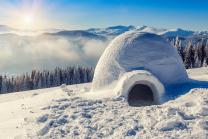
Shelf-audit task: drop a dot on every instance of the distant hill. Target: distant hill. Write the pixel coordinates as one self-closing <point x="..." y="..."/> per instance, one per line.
<point x="111" y="31"/>
<point x="78" y="34"/>
<point x="103" y="33"/>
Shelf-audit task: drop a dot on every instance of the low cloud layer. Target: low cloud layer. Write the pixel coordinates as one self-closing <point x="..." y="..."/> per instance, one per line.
<point x="23" y="54"/>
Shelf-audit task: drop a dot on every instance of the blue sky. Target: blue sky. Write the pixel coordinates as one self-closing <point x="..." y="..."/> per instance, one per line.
<point x="77" y="14"/>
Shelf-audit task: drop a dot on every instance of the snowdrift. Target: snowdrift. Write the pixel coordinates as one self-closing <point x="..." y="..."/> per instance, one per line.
<point x="138" y="58"/>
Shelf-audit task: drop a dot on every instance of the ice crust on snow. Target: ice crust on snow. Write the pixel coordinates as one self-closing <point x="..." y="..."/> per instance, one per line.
<point x="137" y="50"/>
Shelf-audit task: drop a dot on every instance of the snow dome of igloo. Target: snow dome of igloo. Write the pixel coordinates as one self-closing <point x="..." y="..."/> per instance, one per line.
<point x="139" y="60"/>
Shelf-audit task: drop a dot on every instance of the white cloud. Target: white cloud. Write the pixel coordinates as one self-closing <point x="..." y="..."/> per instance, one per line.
<point x="22" y="54"/>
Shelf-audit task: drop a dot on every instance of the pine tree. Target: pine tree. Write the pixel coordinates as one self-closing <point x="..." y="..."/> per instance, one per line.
<point x="189" y="56"/>
<point x="206" y="53"/>
<point x="180" y="48"/>
<point x="1" y="79"/>
<point x="200" y="53"/>
<point x="42" y="79"/>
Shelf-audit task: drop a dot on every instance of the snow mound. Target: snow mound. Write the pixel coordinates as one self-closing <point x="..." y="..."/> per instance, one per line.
<point x="135" y="51"/>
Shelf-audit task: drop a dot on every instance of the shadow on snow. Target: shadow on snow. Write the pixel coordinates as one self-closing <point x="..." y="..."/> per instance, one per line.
<point x="174" y="91"/>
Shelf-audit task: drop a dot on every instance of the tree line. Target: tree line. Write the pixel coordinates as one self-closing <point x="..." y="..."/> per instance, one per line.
<point x="193" y="53"/>
<point x="45" y="79"/>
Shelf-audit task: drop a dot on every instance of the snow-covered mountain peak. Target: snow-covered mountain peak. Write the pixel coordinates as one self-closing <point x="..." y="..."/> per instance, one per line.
<point x="178" y="32"/>
<point x="117" y="30"/>
<point x="158" y="31"/>
<point x="167" y="32"/>
<point x="111" y="31"/>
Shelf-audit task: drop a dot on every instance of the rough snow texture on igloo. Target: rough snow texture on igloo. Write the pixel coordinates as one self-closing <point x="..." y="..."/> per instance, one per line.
<point x="136" y="50"/>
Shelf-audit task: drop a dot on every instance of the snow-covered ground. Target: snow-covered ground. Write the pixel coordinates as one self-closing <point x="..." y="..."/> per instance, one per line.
<point x="62" y="112"/>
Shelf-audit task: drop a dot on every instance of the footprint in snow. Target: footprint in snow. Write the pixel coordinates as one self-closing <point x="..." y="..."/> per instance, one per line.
<point x="203" y="124"/>
<point x="52" y="124"/>
<point x="203" y="111"/>
<point x="189" y="104"/>
<point x="42" y="118"/>
<point x="171" y="125"/>
<point x="131" y="132"/>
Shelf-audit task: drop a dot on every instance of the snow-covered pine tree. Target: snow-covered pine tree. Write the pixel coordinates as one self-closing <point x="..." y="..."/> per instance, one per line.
<point x="42" y="79"/>
<point x="1" y="79"/>
<point x="206" y="53"/>
<point x="189" y="56"/>
<point x="179" y="47"/>
<point x="200" y="53"/>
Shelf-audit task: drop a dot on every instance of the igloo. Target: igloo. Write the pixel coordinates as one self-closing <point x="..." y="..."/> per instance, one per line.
<point x="138" y="66"/>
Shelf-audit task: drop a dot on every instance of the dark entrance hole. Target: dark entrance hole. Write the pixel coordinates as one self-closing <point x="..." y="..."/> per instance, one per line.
<point x="140" y="95"/>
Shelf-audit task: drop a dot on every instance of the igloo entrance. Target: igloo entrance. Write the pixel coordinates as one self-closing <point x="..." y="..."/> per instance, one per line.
<point x="140" y="95"/>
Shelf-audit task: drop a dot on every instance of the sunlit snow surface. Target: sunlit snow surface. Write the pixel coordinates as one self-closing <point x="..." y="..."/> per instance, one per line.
<point x="62" y="112"/>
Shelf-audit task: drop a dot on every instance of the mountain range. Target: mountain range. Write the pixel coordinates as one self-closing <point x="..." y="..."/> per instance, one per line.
<point x="103" y="33"/>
